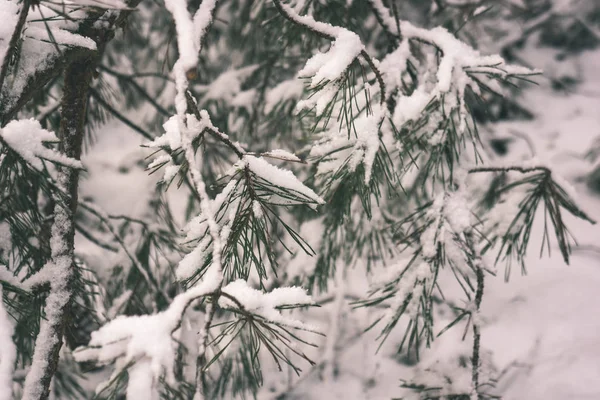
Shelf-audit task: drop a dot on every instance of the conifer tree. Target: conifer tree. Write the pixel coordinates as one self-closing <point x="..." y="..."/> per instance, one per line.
<point x="275" y="120"/>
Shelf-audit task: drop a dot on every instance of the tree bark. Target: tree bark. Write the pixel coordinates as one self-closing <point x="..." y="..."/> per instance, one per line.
<point x="78" y="76"/>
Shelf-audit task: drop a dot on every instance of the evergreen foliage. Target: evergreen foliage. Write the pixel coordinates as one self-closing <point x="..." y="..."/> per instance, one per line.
<point x="268" y="116"/>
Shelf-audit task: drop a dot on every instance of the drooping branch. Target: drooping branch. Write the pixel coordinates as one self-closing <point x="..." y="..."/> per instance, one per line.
<point x="476" y="356"/>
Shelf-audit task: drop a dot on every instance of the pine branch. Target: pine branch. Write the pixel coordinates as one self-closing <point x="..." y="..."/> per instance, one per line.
<point x="384" y="20"/>
<point x="327" y="31"/>
<point x="474" y="262"/>
<point x="191" y="104"/>
<point x="183" y="99"/>
<point x="523" y="170"/>
<point x="211" y="308"/>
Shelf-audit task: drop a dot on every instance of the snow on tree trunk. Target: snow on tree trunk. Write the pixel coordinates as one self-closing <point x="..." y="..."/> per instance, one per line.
<point x="61" y="268"/>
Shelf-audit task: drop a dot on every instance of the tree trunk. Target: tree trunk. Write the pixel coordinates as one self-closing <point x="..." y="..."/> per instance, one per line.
<point x="61" y="268"/>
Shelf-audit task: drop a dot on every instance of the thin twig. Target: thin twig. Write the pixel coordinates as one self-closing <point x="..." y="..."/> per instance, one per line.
<point x="523" y="170"/>
<point x="150" y="279"/>
<point x="216" y="134"/>
<point x="211" y="309"/>
<point x="12" y="45"/>
<point x="474" y="262"/>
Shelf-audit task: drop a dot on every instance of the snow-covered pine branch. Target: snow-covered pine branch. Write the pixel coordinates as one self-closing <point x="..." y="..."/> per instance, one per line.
<point x="27" y="138"/>
<point x="216" y="228"/>
<point x="307" y="137"/>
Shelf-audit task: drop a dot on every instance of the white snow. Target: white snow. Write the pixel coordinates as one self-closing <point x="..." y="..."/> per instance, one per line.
<point x="285" y="90"/>
<point x="280" y="177"/>
<point x="227" y="85"/>
<point x="146" y="339"/>
<point x="193" y="260"/>
<point x="60" y="37"/>
<point x="9" y="15"/>
<point x="266" y="304"/>
<point x="202" y="20"/>
<point x="26" y="137"/>
<point x="329" y="66"/>
<point x="187" y="40"/>
<point x="410" y="108"/>
<point x="393" y="66"/>
<point x="281" y="155"/>
<point x="339" y="148"/>
<point x="367" y="141"/>
<point x="537" y="306"/>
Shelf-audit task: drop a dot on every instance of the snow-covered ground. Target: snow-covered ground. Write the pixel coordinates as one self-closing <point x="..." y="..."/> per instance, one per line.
<point x="542" y="329"/>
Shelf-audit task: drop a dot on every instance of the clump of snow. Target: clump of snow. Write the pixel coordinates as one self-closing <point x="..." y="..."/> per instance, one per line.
<point x="329" y="66"/>
<point x="175" y="132"/>
<point x="228" y="85"/>
<point x="145" y="340"/>
<point x="279" y="177"/>
<point x="458" y="212"/>
<point x="266" y="304"/>
<point x="360" y="148"/>
<point x="394" y="65"/>
<point x="192" y="261"/>
<point x="26" y="137"/>
<point x="171" y="137"/>
<point x="409" y="108"/>
<point x="286" y="90"/>
<point x="60" y="37"/>
<point x="367" y="141"/>
<point x="411" y="282"/>
<point x="222" y="208"/>
<point x="9" y="15"/>
<point x="282" y="155"/>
